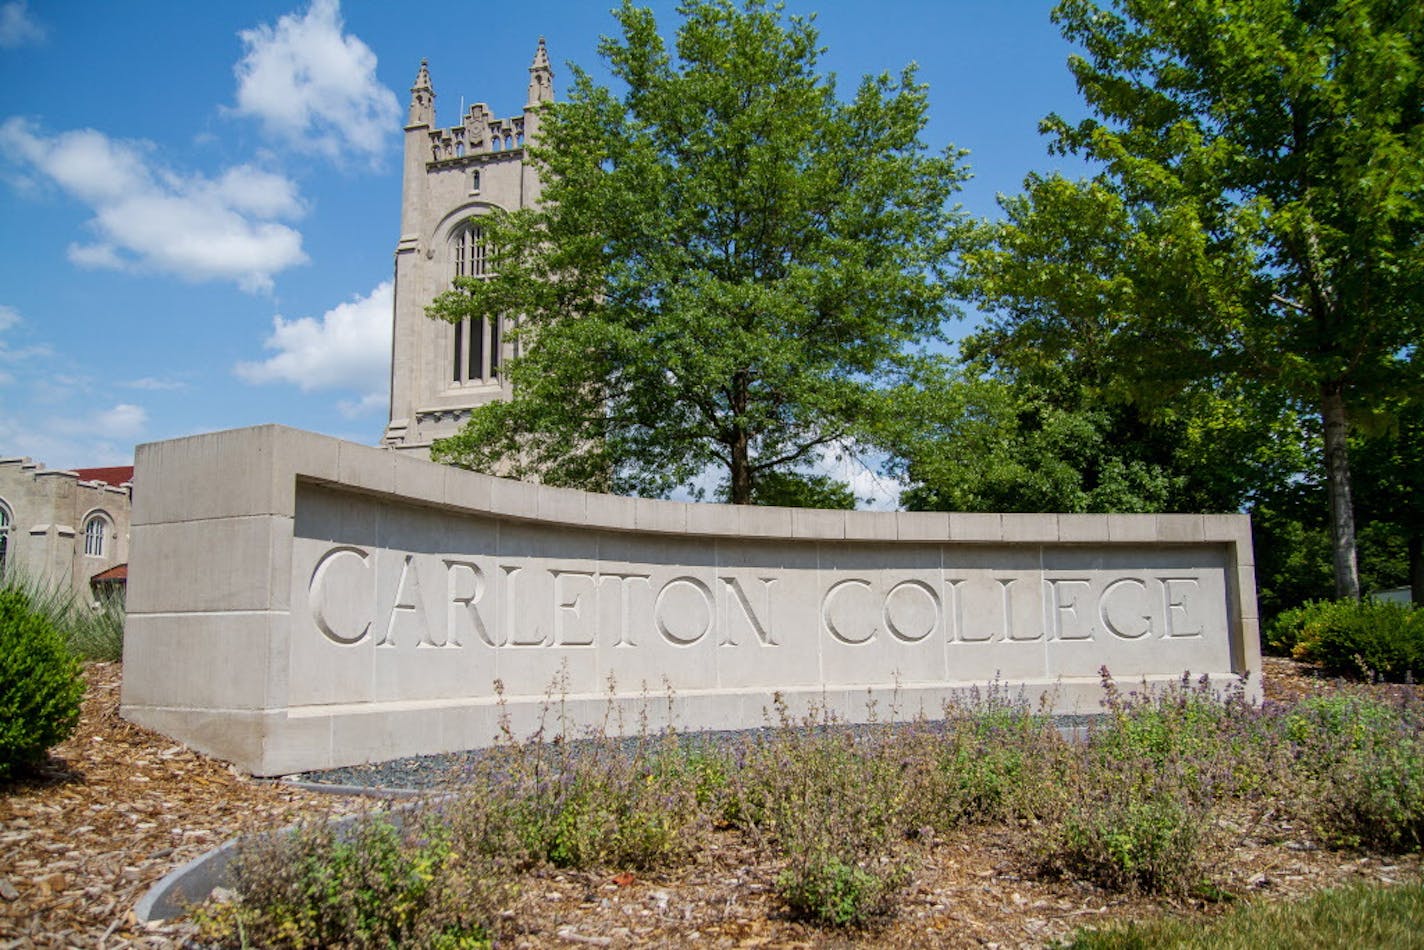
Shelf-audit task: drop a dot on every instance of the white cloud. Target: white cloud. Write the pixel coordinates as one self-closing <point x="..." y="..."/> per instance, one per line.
<point x="154" y="384"/>
<point x="9" y="319"/>
<point x="122" y="421"/>
<point x="314" y="87"/>
<point x="348" y="348"/>
<point x="872" y="490"/>
<point x="18" y="26"/>
<point x="148" y="217"/>
<point x="100" y="437"/>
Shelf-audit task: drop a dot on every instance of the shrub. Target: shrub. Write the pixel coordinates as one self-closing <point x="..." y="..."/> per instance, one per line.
<point x="827" y="890"/>
<point x="426" y="882"/>
<point x="598" y="803"/>
<point x="93" y="631"/>
<point x="995" y="761"/>
<point x="1147" y="840"/>
<point x="1351" y="638"/>
<point x="97" y="632"/>
<point x="1141" y="812"/>
<point x="1363" y="762"/>
<point x="40" y="684"/>
<point x="834" y="804"/>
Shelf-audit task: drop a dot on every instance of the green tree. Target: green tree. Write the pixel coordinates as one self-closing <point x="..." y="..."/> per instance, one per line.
<point x="1073" y="404"/>
<point x="1264" y="160"/>
<point x="728" y="268"/>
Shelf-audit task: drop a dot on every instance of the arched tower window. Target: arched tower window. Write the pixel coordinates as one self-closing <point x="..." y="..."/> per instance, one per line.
<point x="5" y="522"/>
<point x="475" y="356"/>
<point x="96" y="532"/>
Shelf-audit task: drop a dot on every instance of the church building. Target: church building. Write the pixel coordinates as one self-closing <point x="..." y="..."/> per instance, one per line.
<point x="452" y="176"/>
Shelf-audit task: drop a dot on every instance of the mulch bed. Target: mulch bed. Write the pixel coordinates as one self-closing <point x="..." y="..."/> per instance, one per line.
<point x="117" y="807"/>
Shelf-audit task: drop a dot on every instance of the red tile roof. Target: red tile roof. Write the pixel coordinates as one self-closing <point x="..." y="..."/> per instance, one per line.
<point x="115" y="475"/>
<point x="116" y="574"/>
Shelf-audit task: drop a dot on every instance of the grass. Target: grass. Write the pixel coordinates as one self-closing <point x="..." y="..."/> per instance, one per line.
<point x="1347" y="918"/>
<point x="93" y="629"/>
<point x="1151" y="803"/>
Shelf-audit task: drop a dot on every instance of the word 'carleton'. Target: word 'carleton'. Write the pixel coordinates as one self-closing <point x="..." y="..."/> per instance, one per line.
<point x="396" y="599"/>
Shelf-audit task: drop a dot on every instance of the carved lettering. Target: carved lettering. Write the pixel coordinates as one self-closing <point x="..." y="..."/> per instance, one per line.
<point x="1060" y="609"/>
<point x="569" y="607"/>
<point x="531" y="604"/>
<point x="761" y="627"/>
<point x="466" y="586"/>
<point x="344" y="621"/>
<point x="911" y="611"/>
<point x="407" y="608"/>
<point x="687" y="627"/>
<point x="1174" y="599"/>
<point x="1108" y="600"/>
<point x="843" y="630"/>
<point x="535" y="636"/>
<point x="624" y="623"/>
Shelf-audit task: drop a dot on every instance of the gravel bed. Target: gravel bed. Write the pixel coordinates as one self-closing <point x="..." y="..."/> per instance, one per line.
<point x="443" y="771"/>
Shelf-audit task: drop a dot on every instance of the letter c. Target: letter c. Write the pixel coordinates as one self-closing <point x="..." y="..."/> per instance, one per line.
<point x="333" y="560"/>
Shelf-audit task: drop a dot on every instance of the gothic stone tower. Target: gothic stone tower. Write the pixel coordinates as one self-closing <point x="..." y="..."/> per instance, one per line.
<point x="440" y="371"/>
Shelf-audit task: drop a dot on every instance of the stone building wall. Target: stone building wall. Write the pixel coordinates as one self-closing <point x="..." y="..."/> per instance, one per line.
<point x="60" y="528"/>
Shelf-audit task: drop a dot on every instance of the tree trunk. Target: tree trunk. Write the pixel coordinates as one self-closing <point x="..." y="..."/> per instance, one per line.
<point x="1337" y="474"/>
<point x="1416" y="566"/>
<point x="741" y="470"/>
<point x="741" y="442"/>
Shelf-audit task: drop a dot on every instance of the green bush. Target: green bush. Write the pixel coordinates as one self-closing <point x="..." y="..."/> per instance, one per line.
<point x="40" y="685"/>
<point x="1363" y="762"/>
<point x="1140" y="843"/>
<point x="433" y="881"/>
<point x="827" y="890"/>
<point x="1353" y="638"/>
<point x="93" y="631"/>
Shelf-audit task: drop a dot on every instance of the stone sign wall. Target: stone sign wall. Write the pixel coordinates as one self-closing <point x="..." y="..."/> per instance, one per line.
<point x="298" y="602"/>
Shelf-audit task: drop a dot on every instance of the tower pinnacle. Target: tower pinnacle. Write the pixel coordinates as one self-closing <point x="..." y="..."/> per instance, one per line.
<point x="541" y="77"/>
<point x="422" y="99"/>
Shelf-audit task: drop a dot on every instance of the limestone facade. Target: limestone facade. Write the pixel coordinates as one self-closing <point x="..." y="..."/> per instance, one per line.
<point x="451" y="177"/>
<point x="299" y="602"/>
<point x="62" y="528"/>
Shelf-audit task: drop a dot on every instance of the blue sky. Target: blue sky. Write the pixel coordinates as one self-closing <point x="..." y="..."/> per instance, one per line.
<point x="199" y="201"/>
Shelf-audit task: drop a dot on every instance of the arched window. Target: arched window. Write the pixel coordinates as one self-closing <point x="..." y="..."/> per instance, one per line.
<point x="96" y="532"/>
<point x="475" y="182"/>
<point x="475" y="356"/>
<point x="5" y="521"/>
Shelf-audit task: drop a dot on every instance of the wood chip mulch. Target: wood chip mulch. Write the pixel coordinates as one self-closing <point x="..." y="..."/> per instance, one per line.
<point x="117" y="807"/>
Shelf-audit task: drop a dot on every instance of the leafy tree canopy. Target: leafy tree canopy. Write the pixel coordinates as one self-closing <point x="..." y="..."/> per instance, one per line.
<point x="728" y="268"/>
<point x="1259" y="217"/>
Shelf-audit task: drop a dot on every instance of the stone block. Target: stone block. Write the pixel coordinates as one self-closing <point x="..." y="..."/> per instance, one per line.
<point x="1180" y="529"/>
<point x="1081" y="529"/>
<point x="922" y="526"/>
<point x="872" y="525"/>
<point x="514" y="499"/>
<point x="975" y="526"/>
<point x="1029" y="528"/>
<point x="468" y="491"/>
<point x="818" y="524"/>
<point x="562" y="505"/>
<point x="651" y="514"/>
<point x="366" y="468"/>
<point x="1132" y="528"/>
<point x="224" y="564"/>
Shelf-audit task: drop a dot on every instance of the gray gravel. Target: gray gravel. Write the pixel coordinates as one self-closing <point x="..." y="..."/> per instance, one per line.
<point x="434" y="772"/>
